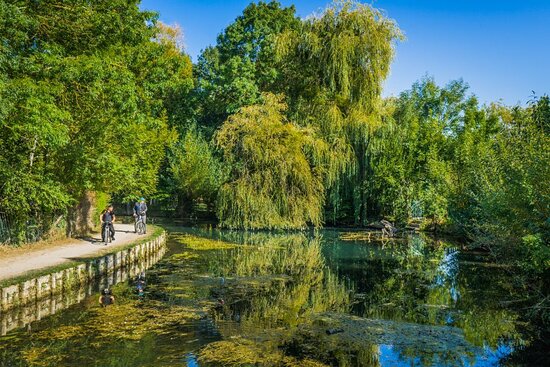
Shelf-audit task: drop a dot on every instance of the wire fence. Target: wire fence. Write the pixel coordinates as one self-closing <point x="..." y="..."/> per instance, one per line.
<point x="12" y="233"/>
<point x="5" y="232"/>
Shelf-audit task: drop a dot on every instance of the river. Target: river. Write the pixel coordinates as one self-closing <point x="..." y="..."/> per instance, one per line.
<point x="319" y="298"/>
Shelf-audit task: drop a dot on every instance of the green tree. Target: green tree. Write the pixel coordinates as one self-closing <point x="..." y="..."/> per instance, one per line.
<point x="235" y="71"/>
<point x="334" y="66"/>
<point x="273" y="180"/>
<point x="84" y="93"/>
<point x="501" y="199"/>
<point x="412" y="165"/>
<point x="197" y="173"/>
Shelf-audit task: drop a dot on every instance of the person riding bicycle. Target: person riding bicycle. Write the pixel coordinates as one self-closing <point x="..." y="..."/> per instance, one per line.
<point x="140" y="213"/>
<point x="107" y="218"/>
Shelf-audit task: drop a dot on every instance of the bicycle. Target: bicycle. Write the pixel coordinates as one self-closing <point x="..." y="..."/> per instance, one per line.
<point x="107" y="234"/>
<point x="140" y="226"/>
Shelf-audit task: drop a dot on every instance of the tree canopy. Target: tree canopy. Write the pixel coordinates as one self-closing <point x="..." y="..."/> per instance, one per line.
<point x="279" y="125"/>
<point x="273" y="182"/>
<point x="82" y="96"/>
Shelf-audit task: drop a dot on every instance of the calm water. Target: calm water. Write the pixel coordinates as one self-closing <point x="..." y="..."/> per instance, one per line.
<point x="327" y="298"/>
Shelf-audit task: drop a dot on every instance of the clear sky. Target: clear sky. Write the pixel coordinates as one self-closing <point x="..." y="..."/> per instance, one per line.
<point x="501" y="48"/>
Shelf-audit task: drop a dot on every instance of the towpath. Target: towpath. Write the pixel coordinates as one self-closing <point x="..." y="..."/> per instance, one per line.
<point x="17" y="263"/>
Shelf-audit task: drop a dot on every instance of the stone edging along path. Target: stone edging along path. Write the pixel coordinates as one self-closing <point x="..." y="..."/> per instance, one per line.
<point x="47" y="258"/>
<point x="32" y="299"/>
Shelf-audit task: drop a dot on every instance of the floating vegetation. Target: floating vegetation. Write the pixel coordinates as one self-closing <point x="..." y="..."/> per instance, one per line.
<point x="367" y="236"/>
<point x="202" y="243"/>
<point x="184" y="256"/>
<point x="128" y="320"/>
<point x="283" y="300"/>
<point x="240" y="352"/>
<point x="39" y="356"/>
<point x="370" y="236"/>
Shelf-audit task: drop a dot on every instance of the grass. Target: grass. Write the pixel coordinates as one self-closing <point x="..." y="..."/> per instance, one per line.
<point x="157" y="231"/>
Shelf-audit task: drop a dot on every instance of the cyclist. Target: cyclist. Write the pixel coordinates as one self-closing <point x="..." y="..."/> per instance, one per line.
<point x="107" y="218"/>
<point x="140" y="213"/>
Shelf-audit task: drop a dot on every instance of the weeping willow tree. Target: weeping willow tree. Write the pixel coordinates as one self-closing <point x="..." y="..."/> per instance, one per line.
<point x="274" y="181"/>
<point x="334" y="65"/>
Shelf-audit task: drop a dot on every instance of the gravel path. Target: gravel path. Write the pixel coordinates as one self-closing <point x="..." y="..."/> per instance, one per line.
<point x="79" y="248"/>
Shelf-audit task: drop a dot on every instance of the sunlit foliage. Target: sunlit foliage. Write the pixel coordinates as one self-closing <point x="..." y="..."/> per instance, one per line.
<point x="235" y="71"/>
<point x="334" y="67"/>
<point x="196" y="172"/>
<point x="82" y="93"/>
<point x="273" y="182"/>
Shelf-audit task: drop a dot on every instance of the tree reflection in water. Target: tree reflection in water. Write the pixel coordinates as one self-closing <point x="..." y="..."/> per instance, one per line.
<point x="299" y="299"/>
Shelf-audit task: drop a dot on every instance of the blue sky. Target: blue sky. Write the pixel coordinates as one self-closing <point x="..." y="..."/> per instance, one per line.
<point x="500" y="48"/>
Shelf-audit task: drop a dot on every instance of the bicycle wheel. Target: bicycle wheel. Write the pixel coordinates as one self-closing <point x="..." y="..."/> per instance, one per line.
<point x="141" y="227"/>
<point x="107" y="235"/>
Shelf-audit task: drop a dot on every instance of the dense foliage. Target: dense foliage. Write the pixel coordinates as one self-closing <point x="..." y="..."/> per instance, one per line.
<point x="235" y="72"/>
<point x="83" y="88"/>
<point x="274" y="182"/>
<point x="334" y="67"/>
<point x="478" y="171"/>
<point x="481" y="172"/>
<point x="280" y="124"/>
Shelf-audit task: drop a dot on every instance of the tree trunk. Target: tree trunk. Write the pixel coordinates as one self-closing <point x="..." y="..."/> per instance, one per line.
<point x="185" y="207"/>
<point x="80" y="217"/>
<point x="363" y="163"/>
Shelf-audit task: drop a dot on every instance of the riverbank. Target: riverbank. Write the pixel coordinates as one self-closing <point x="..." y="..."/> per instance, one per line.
<point x="23" y="263"/>
<point x="312" y="298"/>
<point x="47" y="291"/>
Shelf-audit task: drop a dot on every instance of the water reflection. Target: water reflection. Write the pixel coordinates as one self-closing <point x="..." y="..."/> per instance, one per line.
<point x="302" y="299"/>
<point x="25" y="315"/>
<point x="280" y="283"/>
<point x="428" y="284"/>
